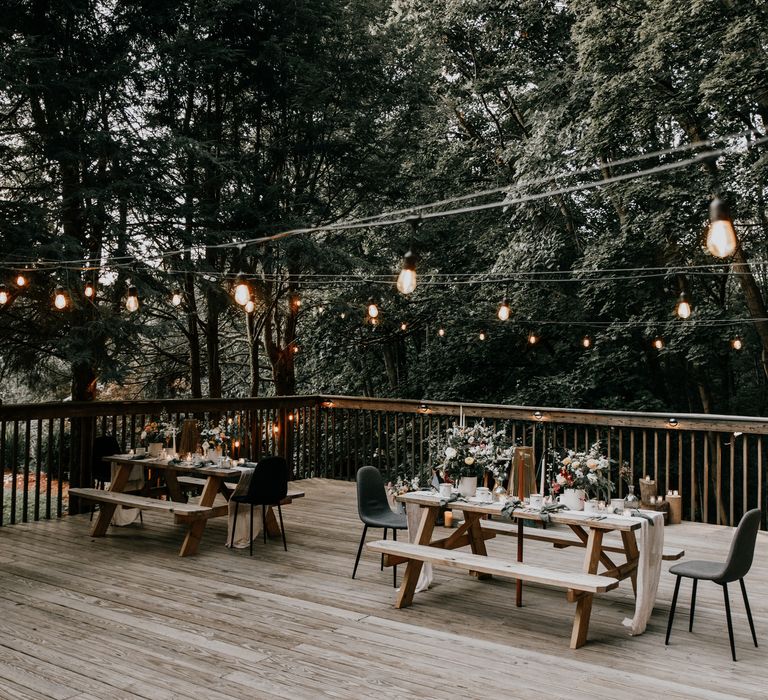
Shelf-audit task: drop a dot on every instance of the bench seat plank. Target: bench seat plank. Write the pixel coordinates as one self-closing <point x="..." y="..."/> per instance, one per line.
<point x="141" y="502"/>
<point x="590" y="583"/>
<point x="197" y="481"/>
<point x="566" y="539"/>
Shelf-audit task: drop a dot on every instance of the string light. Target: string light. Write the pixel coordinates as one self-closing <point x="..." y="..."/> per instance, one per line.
<point x="249" y="307"/>
<point x="343" y="315"/>
<point x="295" y="349"/>
<point x="586" y="342"/>
<point x="60" y="299"/>
<point x="176" y="298"/>
<point x="683" y="308"/>
<point x="403" y="326"/>
<point x="533" y="338"/>
<point x="441" y="332"/>
<point x="320" y="309"/>
<point x="21" y="281"/>
<point x="504" y="310"/>
<point x="406" y="280"/>
<point x="132" y="300"/>
<point x="737" y="343"/>
<point x="721" y="238"/>
<point x="242" y="290"/>
<point x="89" y="290"/>
<point x="3" y="295"/>
<point x="373" y="310"/>
<point x="658" y="342"/>
<point x="482" y="335"/>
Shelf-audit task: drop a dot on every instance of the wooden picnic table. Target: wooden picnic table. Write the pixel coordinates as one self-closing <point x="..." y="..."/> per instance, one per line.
<point x="580" y="586"/>
<point x="212" y="479"/>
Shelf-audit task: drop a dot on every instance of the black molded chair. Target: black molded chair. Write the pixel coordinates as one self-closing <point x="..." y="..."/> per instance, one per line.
<point x="269" y="486"/>
<point x="735" y="568"/>
<point x="373" y="508"/>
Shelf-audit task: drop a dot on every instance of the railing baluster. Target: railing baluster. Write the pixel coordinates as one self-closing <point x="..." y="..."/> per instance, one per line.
<point x="38" y="465"/>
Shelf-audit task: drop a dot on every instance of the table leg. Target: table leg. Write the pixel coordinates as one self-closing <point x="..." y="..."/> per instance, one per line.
<point x="196" y="527"/>
<point x="107" y="510"/>
<point x="413" y="568"/>
<point x="273" y="527"/>
<point x="633" y="554"/>
<point x="584" y="604"/>
<point x="174" y="490"/>
<point x="518" y="582"/>
<point x="476" y="540"/>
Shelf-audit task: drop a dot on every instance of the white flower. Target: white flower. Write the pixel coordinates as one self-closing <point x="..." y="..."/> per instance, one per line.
<point x="469" y="460"/>
<point x="578" y="472"/>
<point x="561" y="480"/>
<point x="471" y="439"/>
<point x="592" y="463"/>
<point x="450" y="452"/>
<point x="592" y="477"/>
<point x="575" y="464"/>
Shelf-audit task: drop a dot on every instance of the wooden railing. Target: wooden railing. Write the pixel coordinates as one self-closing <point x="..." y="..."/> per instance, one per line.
<point x="714" y="462"/>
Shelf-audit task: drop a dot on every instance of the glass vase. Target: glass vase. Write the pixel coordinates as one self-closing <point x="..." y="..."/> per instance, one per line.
<point x="631" y="501"/>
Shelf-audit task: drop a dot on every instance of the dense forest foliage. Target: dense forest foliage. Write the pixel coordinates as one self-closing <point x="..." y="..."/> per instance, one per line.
<point x="143" y="144"/>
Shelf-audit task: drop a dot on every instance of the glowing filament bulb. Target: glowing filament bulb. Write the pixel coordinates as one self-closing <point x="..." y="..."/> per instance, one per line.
<point x="403" y="326"/>
<point x="276" y="429"/>
<point x="533" y="338"/>
<point x="504" y="311"/>
<point x="721" y="238"/>
<point x="683" y="308"/>
<point x="737" y="343"/>
<point x="249" y="307"/>
<point x="373" y="310"/>
<point x="3" y="295"/>
<point x="132" y="300"/>
<point x="21" y="281"/>
<point x="176" y="298"/>
<point x="586" y="342"/>
<point x="60" y="299"/>
<point x="89" y="291"/>
<point x="343" y="315"/>
<point x="295" y="349"/>
<point x="658" y="343"/>
<point x="482" y="335"/>
<point x="242" y="290"/>
<point x="441" y="332"/>
<point x="406" y="280"/>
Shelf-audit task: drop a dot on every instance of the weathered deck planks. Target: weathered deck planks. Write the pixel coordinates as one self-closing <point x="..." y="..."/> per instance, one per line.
<point x="125" y="617"/>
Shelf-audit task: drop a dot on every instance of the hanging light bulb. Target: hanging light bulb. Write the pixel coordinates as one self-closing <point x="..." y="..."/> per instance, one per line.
<point x="242" y="290"/>
<point x="683" y="308"/>
<point x="343" y="315"/>
<point x="320" y="309"/>
<point x="60" y="299"/>
<point x="406" y="280"/>
<point x="586" y="342"/>
<point x="132" y="300"/>
<point x="3" y="295"/>
<point x="249" y="307"/>
<point x="403" y="326"/>
<point x="441" y="332"/>
<point x="721" y="238"/>
<point x="21" y="280"/>
<point x="737" y="343"/>
<point x="176" y="298"/>
<point x="504" y="311"/>
<point x="373" y="310"/>
<point x="295" y="349"/>
<point x="482" y="335"/>
<point x="89" y="291"/>
<point x="533" y="338"/>
<point x="658" y="342"/>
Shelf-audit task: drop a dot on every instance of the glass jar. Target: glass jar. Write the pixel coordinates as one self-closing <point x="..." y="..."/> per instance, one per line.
<point x="631" y="501"/>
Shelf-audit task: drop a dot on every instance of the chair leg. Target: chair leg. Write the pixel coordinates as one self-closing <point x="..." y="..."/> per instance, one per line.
<point x="282" y="529"/>
<point x="749" y="612"/>
<point x="394" y="568"/>
<point x="250" y="533"/>
<point x="693" y="605"/>
<point x="359" y="551"/>
<point x="381" y="568"/>
<point x="234" y="525"/>
<point x="672" y="609"/>
<point x="728" y="618"/>
<point x="264" y="522"/>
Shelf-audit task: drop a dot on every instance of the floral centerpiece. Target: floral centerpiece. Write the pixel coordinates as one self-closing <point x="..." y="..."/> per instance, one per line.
<point x="585" y="471"/>
<point x="216" y="436"/>
<point x="470" y="450"/>
<point x="157" y="431"/>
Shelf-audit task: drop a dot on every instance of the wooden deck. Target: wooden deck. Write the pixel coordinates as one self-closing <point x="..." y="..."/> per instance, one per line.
<point x="126" y="617"/>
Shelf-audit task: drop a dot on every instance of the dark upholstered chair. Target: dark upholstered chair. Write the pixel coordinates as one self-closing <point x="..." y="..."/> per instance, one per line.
<point x="269" y="486"/>
<point x="373" y="509"/>
<point x="735" y="568"/>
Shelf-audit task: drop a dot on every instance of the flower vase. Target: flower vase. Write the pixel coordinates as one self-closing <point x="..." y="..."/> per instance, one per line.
<point x="468" y="486"/>
<point x="631" y="501"/>
<point x="499" y="492"/>
<point x="573" y="499"/>
<point x="155" y="448"/>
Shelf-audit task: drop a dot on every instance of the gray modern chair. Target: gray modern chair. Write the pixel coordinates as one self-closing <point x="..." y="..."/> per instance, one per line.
<point x="735" y="568"/>
<point x="373" y="508"/>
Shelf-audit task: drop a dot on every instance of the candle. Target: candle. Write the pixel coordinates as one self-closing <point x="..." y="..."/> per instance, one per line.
<point x="675" y="493"/>
<point x="448" y="518"/>
<point x="173" y="429"/>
